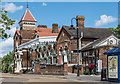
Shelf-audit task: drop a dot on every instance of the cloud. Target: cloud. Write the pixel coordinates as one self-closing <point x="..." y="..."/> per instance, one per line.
<point x="6" y="46"/>
<point x="104" y="20"/>
<point x="10" y="7"/>
<point x="13" y="29"/>
<point x="44" y="4"/>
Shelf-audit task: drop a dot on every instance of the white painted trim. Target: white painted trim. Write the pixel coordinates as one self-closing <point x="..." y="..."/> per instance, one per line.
<point x="25" y="68"/>
<point x="88" y="44"/>
<point x="37" y="40"/>
<point x="28" y="25"/>
<point x="25" y="14"/>
<point x="27" y="22"/>
<point x="24" y="50"/>
<point x="69" y="65"/>
<point x="112" y="36"/>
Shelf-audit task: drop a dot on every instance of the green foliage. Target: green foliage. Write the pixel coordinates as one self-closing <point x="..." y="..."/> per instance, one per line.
<point x="6" y="23"/>
<point x="6" y="61"/>
<point x="116" y="30"/>
<point x="10" y="68"/>
<point x="87" y="71"/>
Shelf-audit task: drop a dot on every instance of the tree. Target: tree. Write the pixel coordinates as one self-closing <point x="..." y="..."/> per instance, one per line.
<point x="6" y="61"/>
<point x="5" y="24"/>
<point x="116" y="30"/>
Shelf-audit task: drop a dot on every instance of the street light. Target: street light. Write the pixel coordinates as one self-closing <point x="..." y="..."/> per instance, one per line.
<point x="78" y="58"/>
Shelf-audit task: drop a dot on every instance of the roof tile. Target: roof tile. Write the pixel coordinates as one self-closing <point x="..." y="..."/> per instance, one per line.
<point x="27" y="16"/>
<point x="45" y="32"/>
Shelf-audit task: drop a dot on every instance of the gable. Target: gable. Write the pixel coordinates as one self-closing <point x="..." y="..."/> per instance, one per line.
<point x="27" y="16"/>
<point x="17" y="33"/>
<point x="111" y="40"/>
<point x="63" y="36"/>
<point x="61" y="32"/>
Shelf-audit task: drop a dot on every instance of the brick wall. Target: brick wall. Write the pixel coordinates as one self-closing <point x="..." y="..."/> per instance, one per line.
<point x="72" y="45"/>
<point x="50" y="69"/>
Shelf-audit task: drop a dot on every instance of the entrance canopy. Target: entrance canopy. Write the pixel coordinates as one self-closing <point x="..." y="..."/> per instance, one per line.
<point x="113" y="51"/>
<point x="37" y="41"/>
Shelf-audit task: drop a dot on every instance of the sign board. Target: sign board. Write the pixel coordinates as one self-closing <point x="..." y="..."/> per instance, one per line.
<point x="52" y="54"/>
<point x="75" y="51"/>
<point x="99" y="65"/>
<point x="65" y="59"/>
<point x="113" y="66"/>
<point x="42" y="66"/>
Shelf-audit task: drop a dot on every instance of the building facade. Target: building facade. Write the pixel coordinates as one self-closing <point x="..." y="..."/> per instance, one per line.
<point x="94" y="43"/>
<point x="35" y="47"/>
<point x="52" y="50"/>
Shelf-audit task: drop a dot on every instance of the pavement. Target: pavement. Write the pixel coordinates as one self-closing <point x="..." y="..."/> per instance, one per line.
<point x="7" y="78"/>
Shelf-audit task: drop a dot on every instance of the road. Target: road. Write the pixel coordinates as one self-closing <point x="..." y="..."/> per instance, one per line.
<point x="7" y="78"/>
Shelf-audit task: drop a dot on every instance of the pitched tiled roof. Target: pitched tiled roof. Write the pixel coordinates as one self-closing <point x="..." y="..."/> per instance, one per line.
<point x="95" y="33"/>
<point x="42" y="32"/>
<point x="27" y="16"/>
<point x="99" y="34"/>
<point x="45" y="32"/>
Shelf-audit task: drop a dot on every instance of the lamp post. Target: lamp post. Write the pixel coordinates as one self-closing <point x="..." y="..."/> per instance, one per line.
<point x="78" y="47"/>
<point x="77" y="53"/>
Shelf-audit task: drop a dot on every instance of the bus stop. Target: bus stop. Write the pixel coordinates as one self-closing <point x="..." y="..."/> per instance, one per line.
<point x="113" y="64"/>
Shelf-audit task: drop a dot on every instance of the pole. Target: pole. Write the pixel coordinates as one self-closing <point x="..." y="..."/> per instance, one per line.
<point x="85" y="62"/>
<point x="77" y="53"/>
<point x="95" y="60"/>
<point x="27" y="59"/>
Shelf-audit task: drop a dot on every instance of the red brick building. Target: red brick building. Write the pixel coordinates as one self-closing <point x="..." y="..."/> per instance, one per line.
<point x="35" y="47"/>
<point x="50" y="50"/>
<point x="94" y="43"/>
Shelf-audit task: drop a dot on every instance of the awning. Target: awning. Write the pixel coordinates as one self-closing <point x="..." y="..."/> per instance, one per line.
<point x="113" y="51"/>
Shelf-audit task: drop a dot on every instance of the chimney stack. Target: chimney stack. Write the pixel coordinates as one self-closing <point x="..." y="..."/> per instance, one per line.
<point x="54" y="28"/>
<point x="80" y="21"/>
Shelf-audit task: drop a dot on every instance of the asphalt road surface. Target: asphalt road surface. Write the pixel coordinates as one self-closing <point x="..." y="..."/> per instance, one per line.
<point x="6" y="78"/>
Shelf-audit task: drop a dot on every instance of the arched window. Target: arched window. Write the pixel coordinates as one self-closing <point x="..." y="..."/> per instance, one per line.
<point x="47" y="53"/>
<point x="38" y="55"/>
<point x="42" y="54"/>
<point x="44" y="48"/>
<point x="54" y="46"/>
